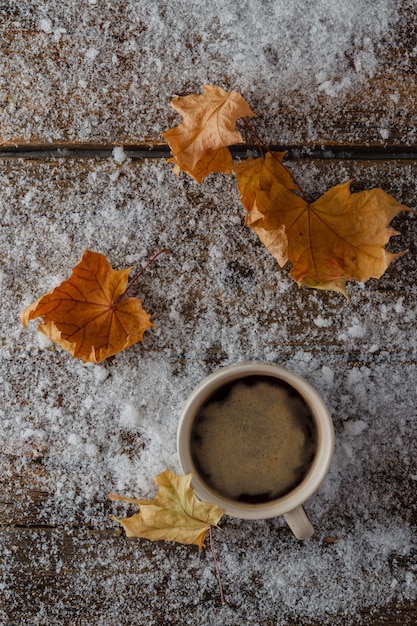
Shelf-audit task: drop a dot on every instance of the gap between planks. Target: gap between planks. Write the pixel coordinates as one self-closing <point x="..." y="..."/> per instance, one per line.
<point x="158" y="151"/>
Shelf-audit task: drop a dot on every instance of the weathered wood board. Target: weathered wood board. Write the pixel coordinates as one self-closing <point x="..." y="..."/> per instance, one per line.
<point x="68" y="437"/>
<point x="74" y="74"/>
<point x="336" y="84"/>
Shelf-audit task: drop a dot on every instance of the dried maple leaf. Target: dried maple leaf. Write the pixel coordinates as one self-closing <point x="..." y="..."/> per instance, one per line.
<point x="219" y="161"/>
<point x="339" y="237"/>
<point x="86" y="315"/>
<point x="256" y="180"/>
<point x="260" y="175"/>
<point x="175" y="514"/>
<point x="208" y="126"/>
<point x="274" y="239"/>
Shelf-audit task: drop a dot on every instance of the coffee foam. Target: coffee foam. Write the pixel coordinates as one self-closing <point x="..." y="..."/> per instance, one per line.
<point x="255" y="441"/>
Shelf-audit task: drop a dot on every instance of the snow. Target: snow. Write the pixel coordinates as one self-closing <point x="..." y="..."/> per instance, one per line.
<point x="84" y="431"/>
<point x="111" y="427"/>
<point x="46" y="25"/>
<point x="119" y="154"/>
<point x="117" y="68"/>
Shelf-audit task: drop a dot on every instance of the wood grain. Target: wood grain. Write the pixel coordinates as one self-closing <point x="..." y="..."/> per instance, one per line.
<point x="68" y="96"/>
<point x="52" y="93"/>
<point x="78" y="573"/>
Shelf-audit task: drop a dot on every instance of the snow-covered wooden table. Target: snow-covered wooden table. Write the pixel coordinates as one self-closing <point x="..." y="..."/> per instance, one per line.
<point x="84" y="98"/>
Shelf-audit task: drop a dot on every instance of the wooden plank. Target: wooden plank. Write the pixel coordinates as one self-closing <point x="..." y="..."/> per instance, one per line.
<point x="83" y="574"/>
<point x="64" y="560"/>
<point x="103" y="82"/>
<point x="87" y="577"/>
<point x="59" y="187"/>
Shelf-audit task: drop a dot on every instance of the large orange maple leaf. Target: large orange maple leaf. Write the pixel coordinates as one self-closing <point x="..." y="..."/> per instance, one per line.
<point x="346" y="239"/>
<point x="339" y="237"/>
<point x="86" y="314"/>
<point x="198" y="143"/>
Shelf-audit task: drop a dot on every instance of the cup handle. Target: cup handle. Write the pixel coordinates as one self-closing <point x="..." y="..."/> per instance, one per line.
<point x="299" y="523"/>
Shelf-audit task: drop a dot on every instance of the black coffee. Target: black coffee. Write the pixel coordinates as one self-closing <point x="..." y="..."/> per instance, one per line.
<point x="254" y="439"/>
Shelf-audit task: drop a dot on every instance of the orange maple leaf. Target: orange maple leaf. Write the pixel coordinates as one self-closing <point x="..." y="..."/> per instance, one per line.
<point x="86" y="314"/>
<point x="175" y="514"/>
<point x="274" y="239"/>
<point x="219" y="161"/>
<point x="208" y="126"/>
<point x="260" y="175"/>
<point x="256" y="179"/>
<point x="339" y="237"/>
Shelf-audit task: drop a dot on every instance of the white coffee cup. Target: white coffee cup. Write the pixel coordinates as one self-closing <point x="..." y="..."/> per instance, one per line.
<point x="290" y="504"/>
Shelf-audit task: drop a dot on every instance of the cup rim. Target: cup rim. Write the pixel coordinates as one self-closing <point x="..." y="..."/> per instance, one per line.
<point x="318" y="469"/>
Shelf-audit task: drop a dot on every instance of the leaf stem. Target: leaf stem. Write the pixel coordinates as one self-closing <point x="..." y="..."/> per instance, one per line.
<point x="137" y="276"/>
<point x="255" y="135"/>
<point x="216" y="565"/>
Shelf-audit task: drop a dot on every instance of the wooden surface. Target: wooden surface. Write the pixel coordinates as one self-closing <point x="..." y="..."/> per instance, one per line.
<point x="53" y="93"/>
<point x="70" y="571"/>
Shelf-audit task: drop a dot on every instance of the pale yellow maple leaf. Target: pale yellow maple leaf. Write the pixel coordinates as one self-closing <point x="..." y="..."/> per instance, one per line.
<point x="175" y="514"/>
